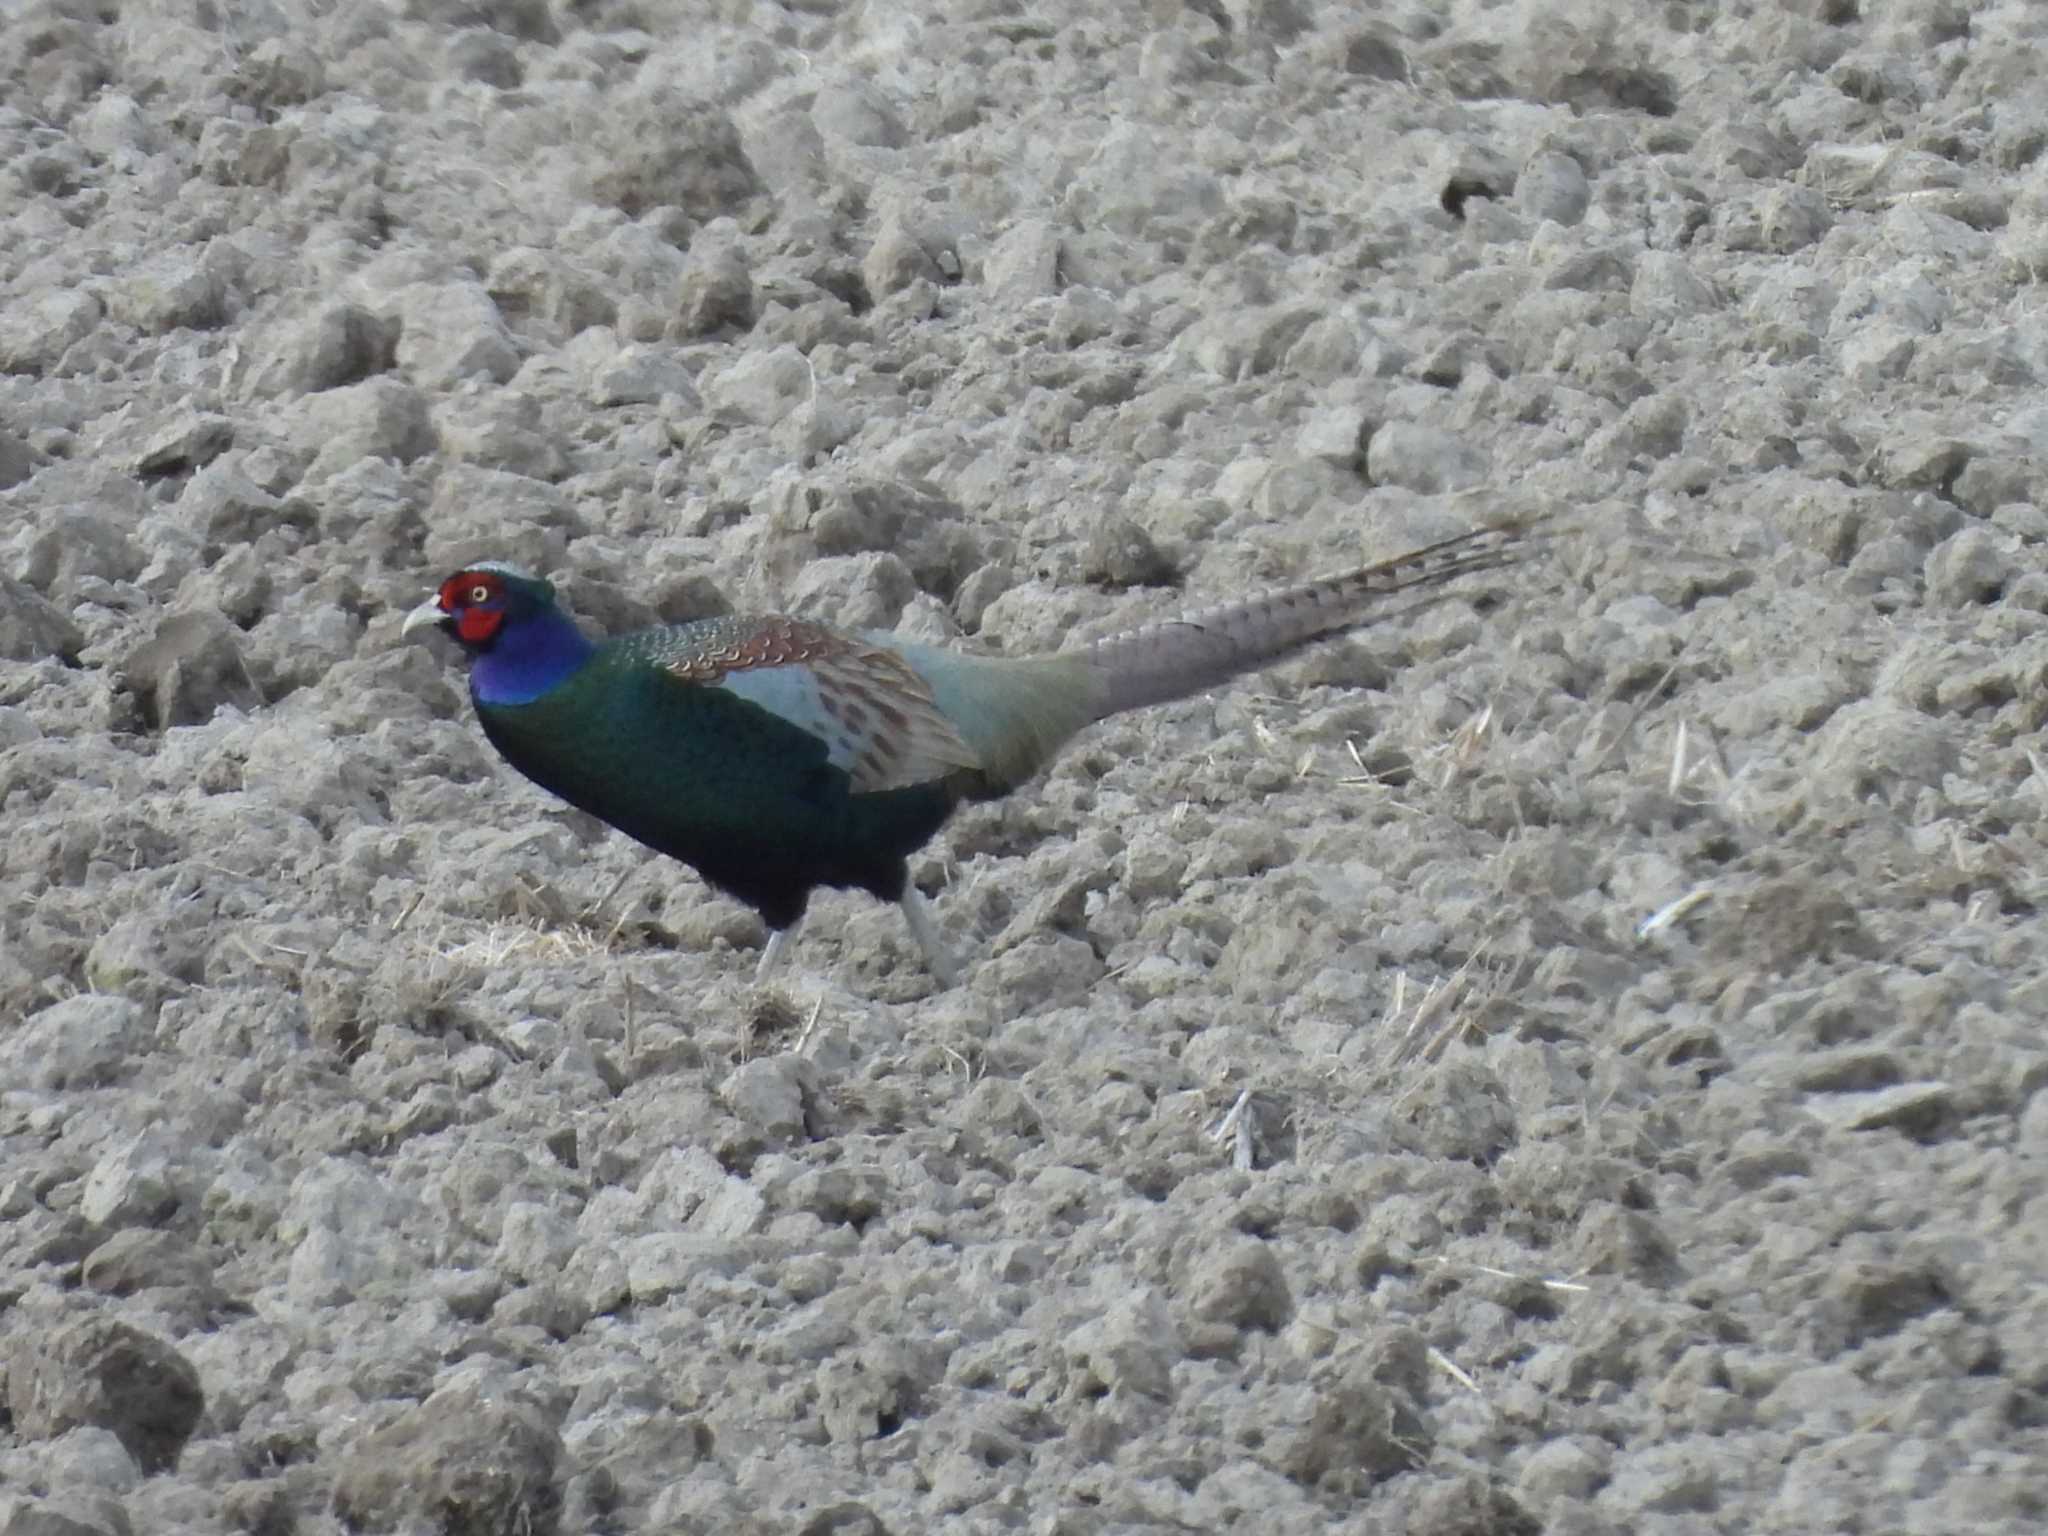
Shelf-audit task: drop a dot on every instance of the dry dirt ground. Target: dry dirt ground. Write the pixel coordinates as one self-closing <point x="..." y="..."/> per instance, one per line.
<point x="1568" y="1062"/>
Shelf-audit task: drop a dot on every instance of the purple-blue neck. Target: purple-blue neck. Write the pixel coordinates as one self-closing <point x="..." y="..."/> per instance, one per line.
<point x="532" y="654"/>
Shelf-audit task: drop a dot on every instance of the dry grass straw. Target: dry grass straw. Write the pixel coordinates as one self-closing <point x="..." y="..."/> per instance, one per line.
<point x="1447" y="1008"/>
<point x="1239" y="1129"/>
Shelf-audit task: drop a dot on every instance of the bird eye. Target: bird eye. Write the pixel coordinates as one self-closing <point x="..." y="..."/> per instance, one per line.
<point x="479" y="594"/>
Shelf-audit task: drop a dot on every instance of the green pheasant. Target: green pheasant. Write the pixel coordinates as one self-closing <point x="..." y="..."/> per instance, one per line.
<point x="775" y="755"/>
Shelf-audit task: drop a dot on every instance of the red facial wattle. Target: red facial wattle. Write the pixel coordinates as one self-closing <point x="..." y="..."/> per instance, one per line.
<point x="473" y="604"/>
<point x="477" y="625"/>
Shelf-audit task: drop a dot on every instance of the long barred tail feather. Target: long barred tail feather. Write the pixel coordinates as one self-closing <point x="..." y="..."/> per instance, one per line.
<point x="1178" y="657"/>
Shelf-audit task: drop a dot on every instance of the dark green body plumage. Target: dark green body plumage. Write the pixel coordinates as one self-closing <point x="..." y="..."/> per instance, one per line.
<point x="745" y="798"/>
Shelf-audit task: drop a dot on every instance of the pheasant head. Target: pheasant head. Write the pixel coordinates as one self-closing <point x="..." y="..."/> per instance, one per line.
<point x="507" y="618"/>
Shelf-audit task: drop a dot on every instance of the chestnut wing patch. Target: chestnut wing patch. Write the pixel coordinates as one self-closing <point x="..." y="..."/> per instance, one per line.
<point x="876" y="716"/>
